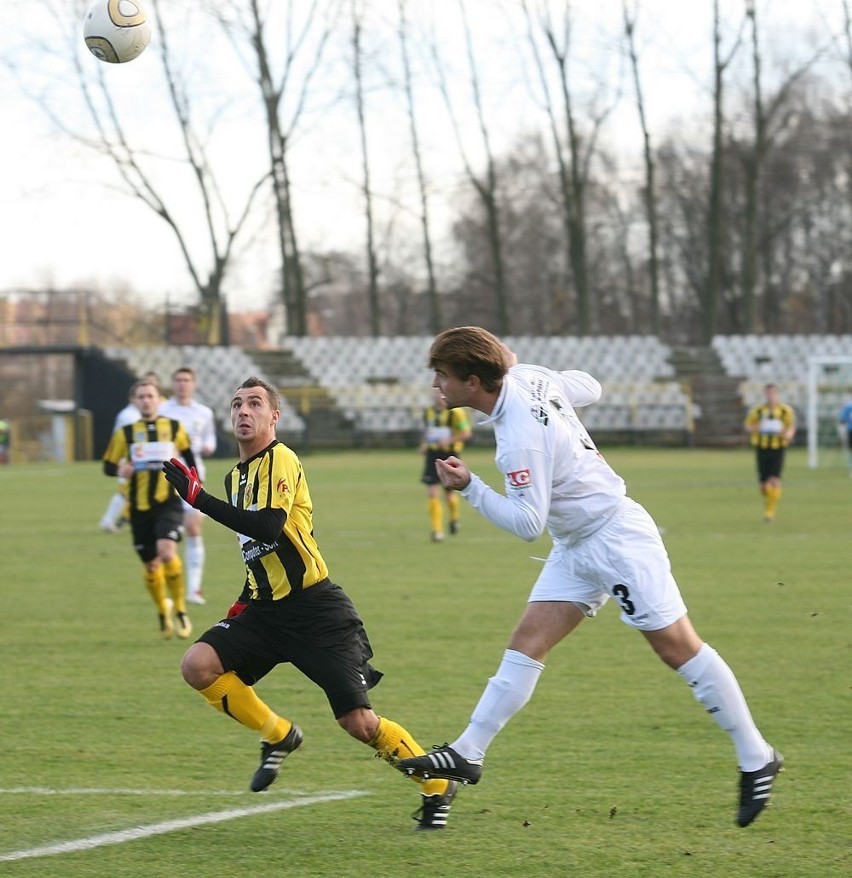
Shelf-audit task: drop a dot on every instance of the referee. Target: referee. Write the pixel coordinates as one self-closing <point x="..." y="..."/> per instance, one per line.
<point x="772" y="426"/>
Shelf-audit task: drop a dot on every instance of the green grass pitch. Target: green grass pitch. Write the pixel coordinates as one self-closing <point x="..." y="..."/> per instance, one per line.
<point x="611" y="770"/>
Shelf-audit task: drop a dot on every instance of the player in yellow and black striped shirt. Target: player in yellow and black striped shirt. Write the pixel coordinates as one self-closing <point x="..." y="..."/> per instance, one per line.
<point x="289" y="609"/>
<point x="136" y="453"/>
<point x="444" y="433"/>
<point x="772" y="426"/>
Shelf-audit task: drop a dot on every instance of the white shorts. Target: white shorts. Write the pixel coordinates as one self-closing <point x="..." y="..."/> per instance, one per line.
<point x="625" y="560"/>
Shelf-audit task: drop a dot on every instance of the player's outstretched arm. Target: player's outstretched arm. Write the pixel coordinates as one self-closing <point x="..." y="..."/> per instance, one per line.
<point x="260" y="524"/>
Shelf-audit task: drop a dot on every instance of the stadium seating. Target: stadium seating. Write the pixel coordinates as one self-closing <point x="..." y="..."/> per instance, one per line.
<point x="780" y="359"/>
<point x="219" y="371"/>
<point x="381" y="385"/>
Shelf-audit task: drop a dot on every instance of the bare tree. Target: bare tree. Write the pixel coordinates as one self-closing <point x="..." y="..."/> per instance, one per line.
<point x="485" y="186"/>
<point x="847" y="33"/>
<point x="765" y="116"/>
<point x="366" y="188"/>
<point x="574" y="154"/>
<point x="434" y="304"/>
<point x="283" y="106"/>
<point x="712" y="288"/>
<point x="649" y="192"/>
<point x="753" y="173"/>
<point x="137" y="167"/>
<point x="133" y="166"/>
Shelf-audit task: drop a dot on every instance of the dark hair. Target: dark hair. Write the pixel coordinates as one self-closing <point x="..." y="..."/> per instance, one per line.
<point x="188" y="369"/>
<point x="271" y="392"/>
<point x="470" y="350"/>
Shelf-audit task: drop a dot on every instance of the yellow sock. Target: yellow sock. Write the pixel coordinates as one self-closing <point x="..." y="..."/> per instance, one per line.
<point x="240" y="702"/>
<point x="453" y="504"/>
<point x="393" y="742"/>
<point x="155" y="582"/>
<point x="436" y="516"/>
<point x="175" y="581"/>
<point x="773" y="495"/>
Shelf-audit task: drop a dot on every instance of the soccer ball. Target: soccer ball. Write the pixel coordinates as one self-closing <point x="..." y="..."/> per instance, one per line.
<point x="116" y="30"/>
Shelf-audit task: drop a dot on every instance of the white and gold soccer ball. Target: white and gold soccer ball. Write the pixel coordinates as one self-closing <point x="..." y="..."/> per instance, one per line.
<point x="116" y="30"/>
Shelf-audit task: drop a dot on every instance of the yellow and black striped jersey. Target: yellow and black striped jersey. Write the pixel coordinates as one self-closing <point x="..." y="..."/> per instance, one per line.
<point x="772" y="423"/>
<point x="146" y="444"/>
<point x="442" y="426"/>
<point x="274" y="479"/>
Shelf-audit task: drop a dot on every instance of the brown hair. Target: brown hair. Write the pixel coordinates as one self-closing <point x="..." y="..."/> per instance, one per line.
<point x="470" y="350"/>
<point x="271" y="392"/>
<point x="142" y="382"/>
<point x="187" y="369"/>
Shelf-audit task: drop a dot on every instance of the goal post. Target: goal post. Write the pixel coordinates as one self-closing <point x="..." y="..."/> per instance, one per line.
<point x="829" y="384"/>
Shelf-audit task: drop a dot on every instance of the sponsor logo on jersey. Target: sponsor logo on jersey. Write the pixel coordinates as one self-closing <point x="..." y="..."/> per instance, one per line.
<point x="540" y="413"/>
<point x="258" y="550"/>
<point x="282" y="487"/>
<point x="520" y="478"/>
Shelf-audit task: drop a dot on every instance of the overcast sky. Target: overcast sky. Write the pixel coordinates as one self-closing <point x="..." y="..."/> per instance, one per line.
<point x="63" y="219"/>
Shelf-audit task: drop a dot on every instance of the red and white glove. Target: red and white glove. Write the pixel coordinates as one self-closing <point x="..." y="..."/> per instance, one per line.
<point x="184" y="480"/>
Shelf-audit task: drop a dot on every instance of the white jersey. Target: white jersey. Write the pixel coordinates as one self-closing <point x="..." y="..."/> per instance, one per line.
<point x="555" y="478"/>
<point x="200" y="426"/>
<point x="128" y="415"/>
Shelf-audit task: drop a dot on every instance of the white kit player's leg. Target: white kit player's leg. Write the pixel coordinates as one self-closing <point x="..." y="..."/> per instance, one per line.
<point x="194" y="564"/>
<point x="714" y="685"/>
<point x="114" y="512"/>
<point x="506" y="693"/>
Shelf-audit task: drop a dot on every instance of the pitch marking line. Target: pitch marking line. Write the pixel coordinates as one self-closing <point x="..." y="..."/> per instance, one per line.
<point x="121" y="836"/>
<point x="123" y="791"/>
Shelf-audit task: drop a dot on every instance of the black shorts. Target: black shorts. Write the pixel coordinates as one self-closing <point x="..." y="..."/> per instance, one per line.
<point x="163" y="522"/>
<point x="430" y="472"/>
<point x="317" y="630"/>
<point x="770" y="462"/>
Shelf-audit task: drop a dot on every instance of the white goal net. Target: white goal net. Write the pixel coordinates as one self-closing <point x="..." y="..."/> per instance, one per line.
<point x="829" y="388"/>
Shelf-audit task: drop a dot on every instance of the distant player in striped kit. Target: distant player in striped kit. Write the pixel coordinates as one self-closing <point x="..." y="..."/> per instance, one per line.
<point x="445" y="431"/>
<point x="200" y="425"/>
<point x="136" y="453"/>
<point x="772" y="426"/>
<point x="114" y="517"/>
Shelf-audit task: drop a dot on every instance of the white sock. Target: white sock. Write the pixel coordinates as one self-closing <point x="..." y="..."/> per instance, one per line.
<point x="193" y="562"/>
<point x="115" y="510"/>
<point x="506" y="693"/>
<point x="715" y="686"/>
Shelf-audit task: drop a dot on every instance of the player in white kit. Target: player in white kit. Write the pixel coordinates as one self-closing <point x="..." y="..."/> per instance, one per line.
<point x="604" y="545"/>
<point x="200" y="425"/>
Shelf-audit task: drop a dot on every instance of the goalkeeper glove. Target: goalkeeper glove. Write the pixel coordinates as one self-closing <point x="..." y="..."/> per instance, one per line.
<point x="184" y="480"/>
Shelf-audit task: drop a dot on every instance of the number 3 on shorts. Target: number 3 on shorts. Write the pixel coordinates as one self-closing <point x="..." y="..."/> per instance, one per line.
<point x="622" y="594"/>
